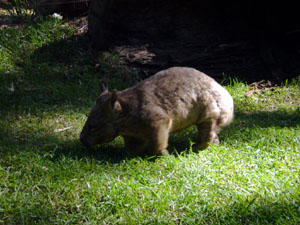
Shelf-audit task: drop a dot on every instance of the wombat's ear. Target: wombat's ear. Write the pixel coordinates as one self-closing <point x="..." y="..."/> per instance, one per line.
<point x="115" y="105"/>
<point x="103" y="87"/>
<point x="113" y="97"/>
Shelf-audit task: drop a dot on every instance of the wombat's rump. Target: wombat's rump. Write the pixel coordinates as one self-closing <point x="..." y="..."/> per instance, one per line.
<point x="145" y="114"/>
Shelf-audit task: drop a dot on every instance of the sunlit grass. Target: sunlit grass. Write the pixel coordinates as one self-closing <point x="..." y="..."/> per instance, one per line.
<point x="47" y="177"/>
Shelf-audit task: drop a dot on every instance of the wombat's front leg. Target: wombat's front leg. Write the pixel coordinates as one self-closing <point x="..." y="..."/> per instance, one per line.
<point x="158" y="142"/>
<point x="135" y="146"/>
<point x="207" y="133"/>
<point x="155" y="143"/>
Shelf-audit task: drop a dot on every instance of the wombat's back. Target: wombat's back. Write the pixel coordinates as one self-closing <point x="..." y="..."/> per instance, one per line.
<point x="186" y="95"/>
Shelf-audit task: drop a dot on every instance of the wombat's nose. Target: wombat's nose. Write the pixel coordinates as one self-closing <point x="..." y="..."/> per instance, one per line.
<point x="84" y="142"/>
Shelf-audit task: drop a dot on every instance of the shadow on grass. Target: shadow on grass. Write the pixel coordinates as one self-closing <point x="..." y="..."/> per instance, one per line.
<point x="244" y="126"/>
<point x="279" y="118"/>
<point x="58" y="74"/>
<point x="66" y="52"/>
<point x="53" y="148"/>
<point x="13" y="21"/>
<point x="105" y="153"/>
<point x="263" y="213"/>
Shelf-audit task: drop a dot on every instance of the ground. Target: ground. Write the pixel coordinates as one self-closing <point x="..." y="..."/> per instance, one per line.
<point x="49" y="81"/>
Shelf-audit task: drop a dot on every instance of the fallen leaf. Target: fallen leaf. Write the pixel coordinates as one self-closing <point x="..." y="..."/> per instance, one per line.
<point x="251" y="92"/>
<point x="62" y="129"/>
<point x="88" y="184"/>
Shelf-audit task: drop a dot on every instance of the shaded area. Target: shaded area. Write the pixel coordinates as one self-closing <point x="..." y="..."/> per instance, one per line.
<point x="5" y="4"/>
<point x="115" y="152"/>
<point x="246" y="39"/>
<point x="56" y="75"/>
<point x="265" y="119"/>
<point x="68" y="8"/>
<point x="54" y="147"/>
<point x="241" y="127"/>
<point x="8" y="20"/>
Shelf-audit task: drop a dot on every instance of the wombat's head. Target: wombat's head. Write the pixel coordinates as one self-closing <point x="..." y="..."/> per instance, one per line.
<point x="100" y="125"/>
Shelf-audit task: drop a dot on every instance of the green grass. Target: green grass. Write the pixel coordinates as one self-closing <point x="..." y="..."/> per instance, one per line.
<point x="47" y="177"/>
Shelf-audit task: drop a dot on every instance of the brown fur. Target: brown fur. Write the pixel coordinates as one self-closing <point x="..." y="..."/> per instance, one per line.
<point x="145" y="114"/>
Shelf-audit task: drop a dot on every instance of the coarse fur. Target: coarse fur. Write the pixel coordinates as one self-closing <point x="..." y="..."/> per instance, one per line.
<point x="145" y="114"/>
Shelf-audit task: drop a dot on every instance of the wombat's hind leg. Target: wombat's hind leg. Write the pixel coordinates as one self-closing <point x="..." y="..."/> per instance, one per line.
<point x="207" y="133"/>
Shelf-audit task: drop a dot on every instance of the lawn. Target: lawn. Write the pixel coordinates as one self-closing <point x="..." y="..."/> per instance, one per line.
<point x="48" y="83"/>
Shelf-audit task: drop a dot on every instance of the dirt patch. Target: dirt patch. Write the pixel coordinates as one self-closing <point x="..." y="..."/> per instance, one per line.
<point x="80" y="24"/>
<point x="260" y="86"/>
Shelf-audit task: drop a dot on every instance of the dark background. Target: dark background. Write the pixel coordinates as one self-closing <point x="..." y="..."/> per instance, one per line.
<point x="251" y="39"/>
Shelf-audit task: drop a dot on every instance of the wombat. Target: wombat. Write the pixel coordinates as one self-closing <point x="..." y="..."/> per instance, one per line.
<point x="169" y="101"/>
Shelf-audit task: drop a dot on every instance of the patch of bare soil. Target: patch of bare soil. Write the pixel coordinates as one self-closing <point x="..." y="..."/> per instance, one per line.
<point x="260" y="86"/>
<point x="80" y="23"/>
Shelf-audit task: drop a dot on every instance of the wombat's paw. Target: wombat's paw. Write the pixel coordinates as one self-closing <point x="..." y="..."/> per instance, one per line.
<point x="164" y="152"/>
<point x="199" y="147"/>
<point x="216" y="141"/>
